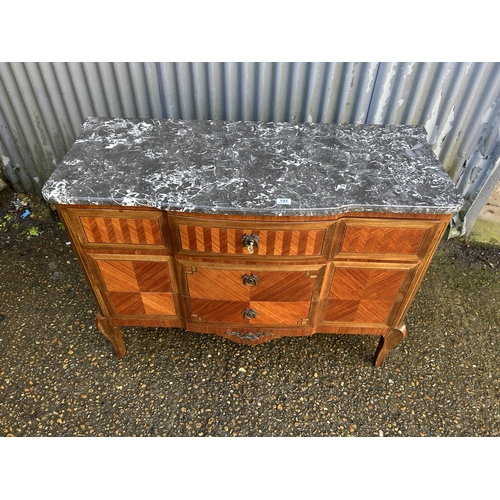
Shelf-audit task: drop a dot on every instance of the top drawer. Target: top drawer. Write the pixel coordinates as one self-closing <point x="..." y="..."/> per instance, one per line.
<point x="109" y="227"/>
<point x="365" y="237"/>
<point x="269" y="238"/>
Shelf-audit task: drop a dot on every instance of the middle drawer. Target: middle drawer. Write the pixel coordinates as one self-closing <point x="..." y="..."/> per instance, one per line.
<point x="250" y="295"/>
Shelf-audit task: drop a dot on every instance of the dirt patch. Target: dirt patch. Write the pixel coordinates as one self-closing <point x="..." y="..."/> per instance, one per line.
<point x="24" y="217"/>
<point x="471" y="253"/>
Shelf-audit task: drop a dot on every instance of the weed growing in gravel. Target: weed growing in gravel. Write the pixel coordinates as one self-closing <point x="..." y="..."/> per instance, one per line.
<point x="31" y="231"/>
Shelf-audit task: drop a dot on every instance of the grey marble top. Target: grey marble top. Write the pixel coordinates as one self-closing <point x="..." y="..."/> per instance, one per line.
<point x="253" y="167"/>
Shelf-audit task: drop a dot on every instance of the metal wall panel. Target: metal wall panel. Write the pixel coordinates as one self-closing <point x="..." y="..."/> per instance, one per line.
<point x="459" y="104"/>
<point x="42" y="107"/>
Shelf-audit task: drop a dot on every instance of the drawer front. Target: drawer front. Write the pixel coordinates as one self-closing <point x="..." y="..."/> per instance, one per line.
<point x="362" y="237"/>
<point x="272" y="239"/>
<point x="136" y="287"/>
<point x="263" y="313"/>
<point x="126" y="231"/>
<point x="250" y="296"/>
<point x="108" y="227"/>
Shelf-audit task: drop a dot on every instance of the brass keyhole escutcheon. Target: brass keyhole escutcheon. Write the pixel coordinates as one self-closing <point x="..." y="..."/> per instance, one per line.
<point x="250" y="279"/>
<point x="250" y="241"/>
<point x="249" y="313"/>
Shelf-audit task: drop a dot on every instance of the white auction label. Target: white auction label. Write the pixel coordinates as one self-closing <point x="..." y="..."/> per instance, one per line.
<point x="283" y="201"/>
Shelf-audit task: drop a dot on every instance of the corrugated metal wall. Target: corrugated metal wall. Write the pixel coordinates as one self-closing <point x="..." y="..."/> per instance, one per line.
<point x="42" y="107"/>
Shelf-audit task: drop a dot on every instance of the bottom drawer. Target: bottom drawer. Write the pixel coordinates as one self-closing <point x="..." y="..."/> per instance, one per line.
<point x="250" y="312"/>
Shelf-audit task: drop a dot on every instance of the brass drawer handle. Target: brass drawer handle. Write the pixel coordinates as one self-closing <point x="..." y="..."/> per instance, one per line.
<point x="250" y="279"/>
<point x="249" y="313"/>
<point x="250" y="242"/>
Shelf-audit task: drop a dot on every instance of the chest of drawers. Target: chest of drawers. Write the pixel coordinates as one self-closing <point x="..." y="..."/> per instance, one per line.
<point x="241" y="235"/>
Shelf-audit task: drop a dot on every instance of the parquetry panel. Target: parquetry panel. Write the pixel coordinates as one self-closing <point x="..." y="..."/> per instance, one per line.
<point x="138" y="287"/>
<point x="382" y="240"/>
<point x="121" y="230"/>
<point x="363" y="295"/>
<point x="271" y="242"/>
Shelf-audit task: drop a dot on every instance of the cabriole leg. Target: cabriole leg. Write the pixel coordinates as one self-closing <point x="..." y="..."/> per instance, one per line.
<point x="387" y="342"/>
<point x="112" y="333"/>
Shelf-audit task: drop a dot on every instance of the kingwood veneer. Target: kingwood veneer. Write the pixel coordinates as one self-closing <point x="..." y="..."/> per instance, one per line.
<point x="253" y="231"/>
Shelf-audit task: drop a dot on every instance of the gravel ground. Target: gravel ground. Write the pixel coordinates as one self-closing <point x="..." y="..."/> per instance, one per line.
<point x="59" y="375"/>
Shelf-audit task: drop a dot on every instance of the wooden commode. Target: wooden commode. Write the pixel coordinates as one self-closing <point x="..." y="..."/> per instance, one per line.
<point x="253" y="230"/>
